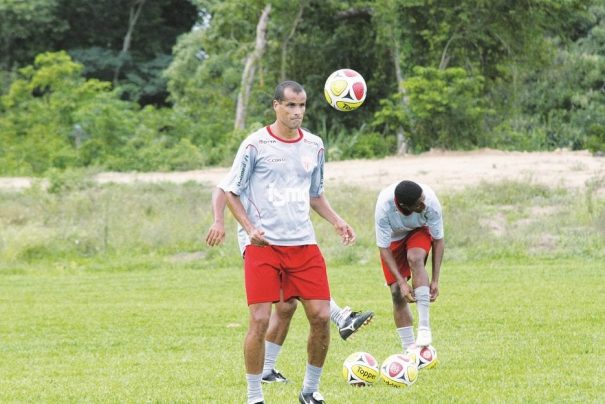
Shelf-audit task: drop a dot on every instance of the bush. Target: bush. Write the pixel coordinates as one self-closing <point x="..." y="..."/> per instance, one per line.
<point x="595" y="141"/>
<point x="443" y="109"/>
<point x="357" y="145"/>
<point x="71" y="179"/>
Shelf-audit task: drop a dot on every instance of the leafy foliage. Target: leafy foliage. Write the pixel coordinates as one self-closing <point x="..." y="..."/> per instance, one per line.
<point x="94" y="33"/>
<point x="445" y="109"/>
<point x="54" y="118"/>
<point x="450" y="74"/>
<point x="568" y="99"/>
<point x="28" y="28"/>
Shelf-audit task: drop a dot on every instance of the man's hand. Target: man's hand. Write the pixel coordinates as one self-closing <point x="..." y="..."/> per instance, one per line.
<point x="321" y="205"/>
<point x="434" y="291"/>
<point x="215" y="235"/>
<point x="257" y="237"/>
<point x="406" y="291"/>
<point x="345" y="232"/>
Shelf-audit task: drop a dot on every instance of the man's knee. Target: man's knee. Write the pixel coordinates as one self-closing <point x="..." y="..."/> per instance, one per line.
<point x="259" y="320"/>
<point x="318" y="312"/>
<point x="323" y="317"/>
<point x="285" y="310"/>
<point x="416" y="257"/>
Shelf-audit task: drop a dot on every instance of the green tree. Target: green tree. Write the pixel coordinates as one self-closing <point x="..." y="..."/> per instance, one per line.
<point x="43" y="107"/>
<point x="130" y="41"/>
<point x="498" y="40"/>
<point x="127" y="42"/>
<point x="205" y="76"/>
<point x="445" y="110"/>
<point x="26" y="28"/>
<point x="564" y="103"/>
<point x="53" y="117"/>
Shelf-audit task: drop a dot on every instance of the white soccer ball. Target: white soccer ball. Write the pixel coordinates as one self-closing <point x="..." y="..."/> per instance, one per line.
<point x="399" y="370"/>
<point x="427" y="357"/>
<point x="345" y="90"/>
<point x="360" y="369"/>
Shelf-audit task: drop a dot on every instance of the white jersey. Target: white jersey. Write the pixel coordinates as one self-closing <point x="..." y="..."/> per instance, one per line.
<point x="275" y="180"/>
<point x="392" y="225"/>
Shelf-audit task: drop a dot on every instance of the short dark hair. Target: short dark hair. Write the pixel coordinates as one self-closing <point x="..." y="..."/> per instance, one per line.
<point x="281" y="88"/>
<point x="407" y="193"/>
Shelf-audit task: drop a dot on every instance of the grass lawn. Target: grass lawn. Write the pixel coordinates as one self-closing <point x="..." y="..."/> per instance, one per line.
<point x="505" y="331"/>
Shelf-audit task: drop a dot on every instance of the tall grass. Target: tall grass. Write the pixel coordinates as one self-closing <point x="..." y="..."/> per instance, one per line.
<point x="102" y="221"/>
<point x="508" y="219"/>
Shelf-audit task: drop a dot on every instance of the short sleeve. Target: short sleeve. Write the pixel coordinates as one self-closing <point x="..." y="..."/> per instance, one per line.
<point x="317" y="177"/>
<point x="243" y="165"/>
<point x="434" y="220"/>
<point x="224" y="183"/>
<point x="382" y="226"/>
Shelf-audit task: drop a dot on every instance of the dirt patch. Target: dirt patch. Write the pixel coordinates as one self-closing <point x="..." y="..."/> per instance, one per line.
<point x="450" y="170"/>
<point x="441" y="170"/>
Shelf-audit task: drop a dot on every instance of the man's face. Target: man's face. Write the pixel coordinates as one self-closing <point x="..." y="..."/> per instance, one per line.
<point x="291" y="110"/>
<point x="418" y="207"/>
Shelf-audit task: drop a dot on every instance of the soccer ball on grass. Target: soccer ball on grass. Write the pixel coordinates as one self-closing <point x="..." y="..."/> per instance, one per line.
<point x="427" y="357"/>
<point x="360" y="369"/>
<point x="345" y="90"/>
<point x="399" y="370"/>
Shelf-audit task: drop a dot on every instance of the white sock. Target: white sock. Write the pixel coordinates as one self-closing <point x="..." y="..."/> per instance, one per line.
<point x="338" y="315"/>
<point x="271" y="353"/>
<point x="255" y="390"/>
<point x="406" y="334"/>
<point x="422" y="295"/>
<point x="311" y="382"/>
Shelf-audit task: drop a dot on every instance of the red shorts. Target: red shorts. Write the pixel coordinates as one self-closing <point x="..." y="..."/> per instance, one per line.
<point x="418" y="238"/>
<point x="298" y="271"/>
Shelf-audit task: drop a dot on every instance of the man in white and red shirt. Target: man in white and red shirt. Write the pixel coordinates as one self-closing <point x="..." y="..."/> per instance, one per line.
<point x="278" y="178"/>
<point x="347" y="320"/>
<point x="409" y="222"/>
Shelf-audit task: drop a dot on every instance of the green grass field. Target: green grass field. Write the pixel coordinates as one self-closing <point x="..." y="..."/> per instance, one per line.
<point x="505" y="332"/>
<point x="107" y="295"/>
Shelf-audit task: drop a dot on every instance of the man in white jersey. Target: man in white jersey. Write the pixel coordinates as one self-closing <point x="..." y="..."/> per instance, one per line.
<point x="347" y="321"/>
<point x="279" y="178"/>
<point x="409" y="221"/>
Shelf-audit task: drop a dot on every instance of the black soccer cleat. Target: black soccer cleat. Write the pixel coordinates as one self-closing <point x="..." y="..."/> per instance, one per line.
<point x="274" y="377"/>
<point x="354" y="322"/>
<point x="311" y="398"/>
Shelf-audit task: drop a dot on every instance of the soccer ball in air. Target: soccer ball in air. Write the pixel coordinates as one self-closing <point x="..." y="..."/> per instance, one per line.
<point x="360" y="369"/>
<point x="345" y="90"/>
<point x="427" y="357"/>
<point x="399" y="370"/>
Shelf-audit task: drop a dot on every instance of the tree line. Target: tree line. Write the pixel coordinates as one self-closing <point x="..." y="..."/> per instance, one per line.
<point x="176" y="84"/>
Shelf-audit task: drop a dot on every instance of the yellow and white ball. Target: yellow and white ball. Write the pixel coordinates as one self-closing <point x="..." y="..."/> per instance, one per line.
<point x="345" y="90"/>
<point x="399" y="370"/>
<point x="360" y="369"/>
<point x="427" y="357"/>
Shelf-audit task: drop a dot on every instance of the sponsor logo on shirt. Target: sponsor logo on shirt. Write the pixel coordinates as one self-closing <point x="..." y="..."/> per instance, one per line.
<point x="263" y="141"/>
<point x="276" y="160"/>
<point x="316" y="144"/>
<point x="307" y="163"/>
<point x="242" y="170"/>
<point x="281" y="196"/>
